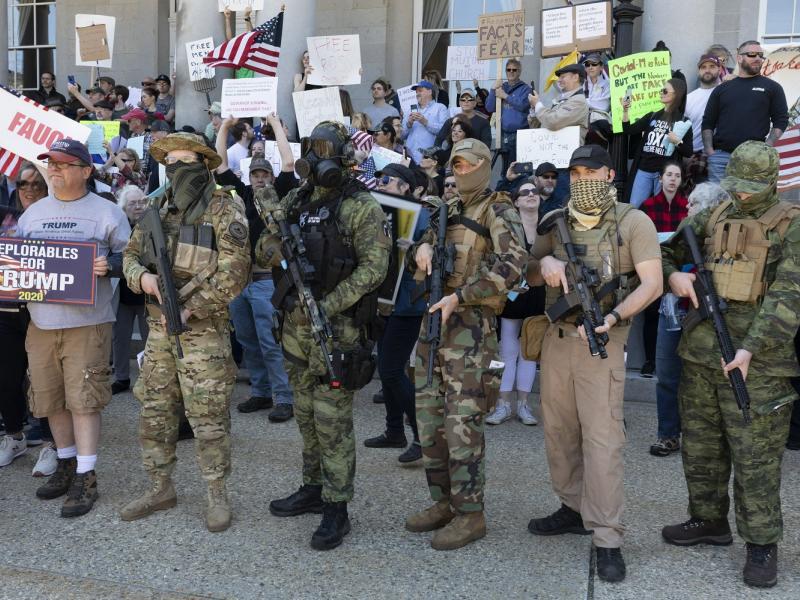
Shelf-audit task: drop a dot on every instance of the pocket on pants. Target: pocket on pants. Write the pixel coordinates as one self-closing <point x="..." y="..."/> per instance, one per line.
<point x="616" y="391"/>
<point x="490" y="386"/>
<point x="96" y="388"/>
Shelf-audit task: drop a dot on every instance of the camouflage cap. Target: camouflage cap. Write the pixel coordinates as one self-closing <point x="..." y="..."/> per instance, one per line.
<point x="753" y="167"/>
<point x="184" y="141"/>
<point x="471" y="150"/>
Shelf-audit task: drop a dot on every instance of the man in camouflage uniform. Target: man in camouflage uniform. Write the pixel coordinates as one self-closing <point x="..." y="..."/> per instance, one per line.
<point x="489" y="260"/>
<point x="208" y="243"/>
<point x="347" y="243"/>
<point x="763" y="316"/>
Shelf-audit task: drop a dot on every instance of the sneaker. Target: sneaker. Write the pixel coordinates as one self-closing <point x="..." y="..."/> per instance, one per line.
<point x="665" y="446"/>
<point x="81" y="496"/>
<point x="648" y="369"/>
<point x="59" y="482"/>
<point x="761" y="565"/>
<point x="501" y="414"/>
<point x="121" y="385"/>
<point x="610" y="565"/>
<point x="386" y="440"/>
<point x="281" y="412"/>
<point x="412" y="454"/>
<point x="698" y="531"/>
<point x="524" y="413"/>
<point x="47" y="462"/>
<point x="11" y="448"/>
<point x="254" y="403"/>
<point x="564" y="520"/>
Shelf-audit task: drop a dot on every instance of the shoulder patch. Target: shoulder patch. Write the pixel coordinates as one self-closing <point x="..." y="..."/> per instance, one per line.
<point x="237" y="230"/>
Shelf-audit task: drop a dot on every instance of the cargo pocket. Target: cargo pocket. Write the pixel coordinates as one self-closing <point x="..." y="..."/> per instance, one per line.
<point x="96" y="388"/>
<point x="490" y="386"/>
<point x="616" y="391"/>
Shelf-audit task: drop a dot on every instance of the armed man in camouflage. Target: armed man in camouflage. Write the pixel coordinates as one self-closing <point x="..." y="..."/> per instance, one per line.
<point x="347" y="245"/>
<point x="752" y="247"/>
<point x="207" y="238"/>
<point x="490" y="255"/>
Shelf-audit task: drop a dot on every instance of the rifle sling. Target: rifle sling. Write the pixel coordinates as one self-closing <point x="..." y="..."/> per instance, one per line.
<point x="470" y="224"/>
<point x="195" y="282"/>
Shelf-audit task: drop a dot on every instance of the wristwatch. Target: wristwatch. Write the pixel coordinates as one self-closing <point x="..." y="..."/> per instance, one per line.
<point x="459" y="295"/>
<point x="616" y="316"/>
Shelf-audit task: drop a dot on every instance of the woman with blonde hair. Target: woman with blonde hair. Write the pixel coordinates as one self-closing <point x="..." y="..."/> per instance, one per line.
<point x="129" y="169"/>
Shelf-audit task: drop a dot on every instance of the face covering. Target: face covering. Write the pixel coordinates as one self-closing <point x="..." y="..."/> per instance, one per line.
<point x="474" y="183"/>
<point x="757" y="203"/>
<point x="191" y="185"/>
<point x="589" y="199"/>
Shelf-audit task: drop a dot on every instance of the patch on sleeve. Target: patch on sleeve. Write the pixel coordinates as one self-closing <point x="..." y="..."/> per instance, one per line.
<point x="237" y="230"/>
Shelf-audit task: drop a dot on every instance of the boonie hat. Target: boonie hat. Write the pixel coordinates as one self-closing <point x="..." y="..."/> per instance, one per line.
<point x="68" y="151"/>
<point x="184" y="141"/>
<point x="592" y="156"/>
<point x="753" y="167"/>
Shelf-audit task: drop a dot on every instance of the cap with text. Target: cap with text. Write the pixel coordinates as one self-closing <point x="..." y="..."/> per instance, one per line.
<point x="67" y="151"/>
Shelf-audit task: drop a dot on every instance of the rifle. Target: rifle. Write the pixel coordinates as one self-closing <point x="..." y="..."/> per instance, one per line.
<point x="443" y="257"/>
<point x="170" y="307"/>
<point x="711" y="306"/>
<point x="582" y="280"/>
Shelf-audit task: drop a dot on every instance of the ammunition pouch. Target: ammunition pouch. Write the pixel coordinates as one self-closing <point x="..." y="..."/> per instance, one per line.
<point x="195" y="257"/>
<point x="357" y="367"/>
<point x="532" y="338"/>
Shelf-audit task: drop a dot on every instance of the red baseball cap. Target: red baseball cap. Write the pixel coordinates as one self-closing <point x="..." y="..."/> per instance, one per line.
<point x="136" y="113"/>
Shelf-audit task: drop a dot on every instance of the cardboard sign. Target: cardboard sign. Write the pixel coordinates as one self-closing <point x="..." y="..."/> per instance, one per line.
<point x="583" y="26"/>
<point x="783" y="65"/>
<point x="47" y="271"/>
<point x="253" y="97"/>
<point x="195" y="52"/>
<point x="542" y="145"/>
<point x="314" y="106"/>
<point x="501" y="35"/>
<point x="28" y="130"/>
<point x="336" y="60"/>
<point x="90" y="23"/>
<point x="402" y="217"/>
<point x="236" y="5"/>
<point x="645" y="73"/>
<point x="93" y="43"/>
<point x="463" y="64"/>
<point x="407" y="97"/>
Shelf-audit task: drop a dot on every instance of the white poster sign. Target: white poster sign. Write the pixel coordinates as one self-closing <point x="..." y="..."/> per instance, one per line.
<point x="407" y="97"/>
<point x="88" y="21"/>
<point x="591" y="20"/>
<point x="382" y="157"/>
<point x="195" y="52"/>
<point x="235" y="5"/>
<point x="542" y="145"/>
<point x="137" y="144"/>
<point x="253" y="97"/>
<point x="530" y="41"/>
<point x="336" y="60"/>
<point x="134" y="96"/>
<point x="557" y="27"/>
<point x="313" y="106"/>
<point x="463" y="64"/>
<point x="274" y="157"/>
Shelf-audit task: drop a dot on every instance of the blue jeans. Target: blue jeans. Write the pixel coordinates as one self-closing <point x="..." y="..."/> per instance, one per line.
<point x="645" y="184"/>
<point x="716" y="165"/>
<point x="668" y="371"/>
<point x="251" y="313"/>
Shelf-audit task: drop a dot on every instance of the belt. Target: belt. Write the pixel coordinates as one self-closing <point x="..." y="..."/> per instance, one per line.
<point x="562" y="333"/>
<point x="261" y="276"/>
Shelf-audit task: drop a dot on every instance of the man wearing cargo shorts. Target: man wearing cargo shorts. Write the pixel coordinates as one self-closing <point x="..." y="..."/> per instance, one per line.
<point x="582" y="394"/>
<point x="68" y="345"/>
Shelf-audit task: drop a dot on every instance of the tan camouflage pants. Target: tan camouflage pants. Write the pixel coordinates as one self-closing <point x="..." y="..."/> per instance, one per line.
<point x="203" y="380"/>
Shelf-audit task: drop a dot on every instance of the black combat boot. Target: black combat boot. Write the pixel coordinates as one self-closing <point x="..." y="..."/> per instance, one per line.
<point x="610" y="565"/>
<point x="699" y="531"/>
<point x="761" y="566"/>
<point x="308" y="499"/>
<point x="564" y="520"/>
<point x="334" y="526"/>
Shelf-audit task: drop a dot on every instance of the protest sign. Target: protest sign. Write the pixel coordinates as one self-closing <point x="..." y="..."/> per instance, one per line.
<point x="195" y="52"/>
<point x="244" y="168"/>
<point x="47" y="271"/>
<point x="274" y="157"/>
<point x="783" y="65"/>
<point x="82" y="22"/>
<point x="463" y="64"/>
<point x="583" y="26"/>
<point x="101" y="131"/>
<point x="137" y="144"/>
<point x="382" y="157"/>
<point x="530" y="41"/>
<point x="93" y="43"/>
<point x="236" y="5"/>
<point x="407" y="97"/>
<point x="644" y="73"/>
<point x="543" y="145"/>
<point x="336" y="60"/>
<point x="314" y="106"/>
<point x="501" y="35"/>
<point x="28" y="130"/>
<point x="253" y="97"/>
<point x="402" y="217"/>
<point x="134" y="96"/>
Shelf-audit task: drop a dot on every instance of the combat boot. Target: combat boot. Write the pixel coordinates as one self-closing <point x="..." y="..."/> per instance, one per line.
<point x="308" y="499"/>
<point x="59" y="482"/>
<point x="564" y="520"/>
<point x="218" y="512"/>
<point x="462" y="530"/>
<point x="334" y="526"/>
<point x="761" y="566"/>
<point x="160" y="496"/>
<point x="698" y="531"/>
<point x="434" y="517"/>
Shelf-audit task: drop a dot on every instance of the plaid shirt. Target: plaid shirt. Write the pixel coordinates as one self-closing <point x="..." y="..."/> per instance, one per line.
<point x="666" y="215"/>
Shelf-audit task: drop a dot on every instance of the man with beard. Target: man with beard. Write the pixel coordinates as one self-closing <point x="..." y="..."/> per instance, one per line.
<point x="489" y="242"/>
<point x="346" y="247"/>
<point x="756" y="272"/>
<point x="582" y="394"/>
<point x="207" y="240"/>
<point x="748" y="107"/>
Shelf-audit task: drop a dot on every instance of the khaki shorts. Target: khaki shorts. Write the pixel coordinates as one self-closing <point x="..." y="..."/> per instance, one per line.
<point x="69" y="369"/>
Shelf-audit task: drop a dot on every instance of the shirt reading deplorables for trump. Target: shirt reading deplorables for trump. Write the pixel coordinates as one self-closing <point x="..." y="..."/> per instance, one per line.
<point x="89" y="219"/>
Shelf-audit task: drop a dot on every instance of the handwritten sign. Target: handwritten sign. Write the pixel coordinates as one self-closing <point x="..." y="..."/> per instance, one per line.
<point x="644" y="73"/>
<point x="101" y="131"/>
<point x="47" y="271"/>
<point x="93" y="43"/>
<point x="530" y="40"/>
<point x="591" y="20"/>
<point x="272" y="154"/>
<point x="382" y="157"/>
<point x="336" y="60"/>
<point x="314" y="106"/>
<point x="463" y="64"/>
<point x="407" y="97"/>
<point x="402" y="217"/>
<point x="235" y="5"/>
<point x="253" y="97"/>
<point x="783" y="65"/>
<point x="557" y="26"/>
<point x="90" y="25"/>
<point x="195" y="52"/>
<point x="501" y="35"/>
<point x="137" y="145"/>
<point x="543" y="145"/>
<point x="584" y="26"/>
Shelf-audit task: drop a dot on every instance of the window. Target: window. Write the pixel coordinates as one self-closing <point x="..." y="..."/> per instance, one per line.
<point x="32" y="41"/>
<point x="779" y="22"/>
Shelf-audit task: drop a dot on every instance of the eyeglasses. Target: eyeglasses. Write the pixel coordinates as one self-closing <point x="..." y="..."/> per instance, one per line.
<point x="591" y="64"/>
<point x="665" y="91"/>
<point x="171" y="160"/>
<point x="467" y="99"/>
<point x="511" y="70"/>
<point x="551" y="177"/>
<point x="528" y="192"/>
<point x="34" y="185"/>
<point x="752" y="54"/>
<point x="60" y="166"/>
<point x="450" y="184"/>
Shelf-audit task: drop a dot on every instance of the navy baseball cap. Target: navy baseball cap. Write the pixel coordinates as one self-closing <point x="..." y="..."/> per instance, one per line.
<point x="591" y="156"/>
<point x="423" y="84"/>
<point x="68" y="151"/>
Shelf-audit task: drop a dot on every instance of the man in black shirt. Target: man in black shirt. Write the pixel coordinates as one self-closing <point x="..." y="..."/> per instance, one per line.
<point x="742" y="109"/>
<point x="47" y="91"/>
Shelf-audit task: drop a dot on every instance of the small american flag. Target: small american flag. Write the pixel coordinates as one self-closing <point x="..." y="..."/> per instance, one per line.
<point x="788" y="147"/>
<point x="361" y="139"/>
<point x="10" y="162"/>
<point x="367" y="176"/>
<point x="257" y="50"/>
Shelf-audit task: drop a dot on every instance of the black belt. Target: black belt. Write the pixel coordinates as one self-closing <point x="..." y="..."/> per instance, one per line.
<point x="261" y="276"/>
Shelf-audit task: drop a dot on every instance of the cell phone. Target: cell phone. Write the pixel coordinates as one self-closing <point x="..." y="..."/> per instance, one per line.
<point x="71" y="79"/>
<point x="628" y="94"/>
<point x="414" y="108"/>
<point x="524" y="168"/>
<point x="533" y="85"/>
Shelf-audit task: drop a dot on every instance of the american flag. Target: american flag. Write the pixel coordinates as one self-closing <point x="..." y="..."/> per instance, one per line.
<point x="10" y="162"/>
<point x="361" y="139"/>
<point x="257" y="50"/>
<point x="788" y="147"/>
<point x="367" y="176"/>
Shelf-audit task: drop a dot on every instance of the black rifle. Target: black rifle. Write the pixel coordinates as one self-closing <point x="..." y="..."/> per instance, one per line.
<point x="711" y="306"/>
<point x="582" y="282"/>
<point x="442" y="267"/>
<point x="170" y="307"/>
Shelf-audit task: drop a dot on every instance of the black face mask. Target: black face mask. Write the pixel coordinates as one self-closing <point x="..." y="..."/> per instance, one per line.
<point x="325" y="172"/>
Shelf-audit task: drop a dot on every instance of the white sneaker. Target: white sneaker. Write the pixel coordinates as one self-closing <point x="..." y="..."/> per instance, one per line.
<point x="525" y="414"/>
<point x="502" y="413"/>
<point x="47" y="463"/>
<point x="11" y="449"/>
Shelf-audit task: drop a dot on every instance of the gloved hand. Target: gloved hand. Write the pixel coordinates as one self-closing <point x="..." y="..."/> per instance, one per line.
<point x="298" y="316"/>
<point x="268" y="251"/>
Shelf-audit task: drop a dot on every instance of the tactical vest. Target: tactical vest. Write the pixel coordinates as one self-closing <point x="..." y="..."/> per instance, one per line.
<point x="598" y="248"/>
<point x="738" y="251"/>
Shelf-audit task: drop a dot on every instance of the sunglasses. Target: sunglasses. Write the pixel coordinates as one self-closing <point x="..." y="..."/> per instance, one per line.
<point x="753" y="54"/>
<point x="449" y="185"/>
<point x="665" y="91"/>
<point x="511" y="70"/>
<point x="591" y="64"/>
<point x="467" y="99"/>
<point x="171" y="160"/>
<point x="387" y="179"/>
<point x="34" y="185"/>
<point x="526" y="193"/>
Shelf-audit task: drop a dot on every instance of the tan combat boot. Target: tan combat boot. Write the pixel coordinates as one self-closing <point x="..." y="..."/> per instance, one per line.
<point x="460" y="531"/>
<point x="431" y="518"/>
<point x="160" y="496"/>
<point x="218" y="513"/>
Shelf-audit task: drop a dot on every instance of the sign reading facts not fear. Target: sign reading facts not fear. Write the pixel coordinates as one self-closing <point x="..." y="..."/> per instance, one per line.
<point x="501" y="35"/>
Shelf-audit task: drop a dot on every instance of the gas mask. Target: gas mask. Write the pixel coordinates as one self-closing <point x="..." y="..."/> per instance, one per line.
<point x="326" y="154"/>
